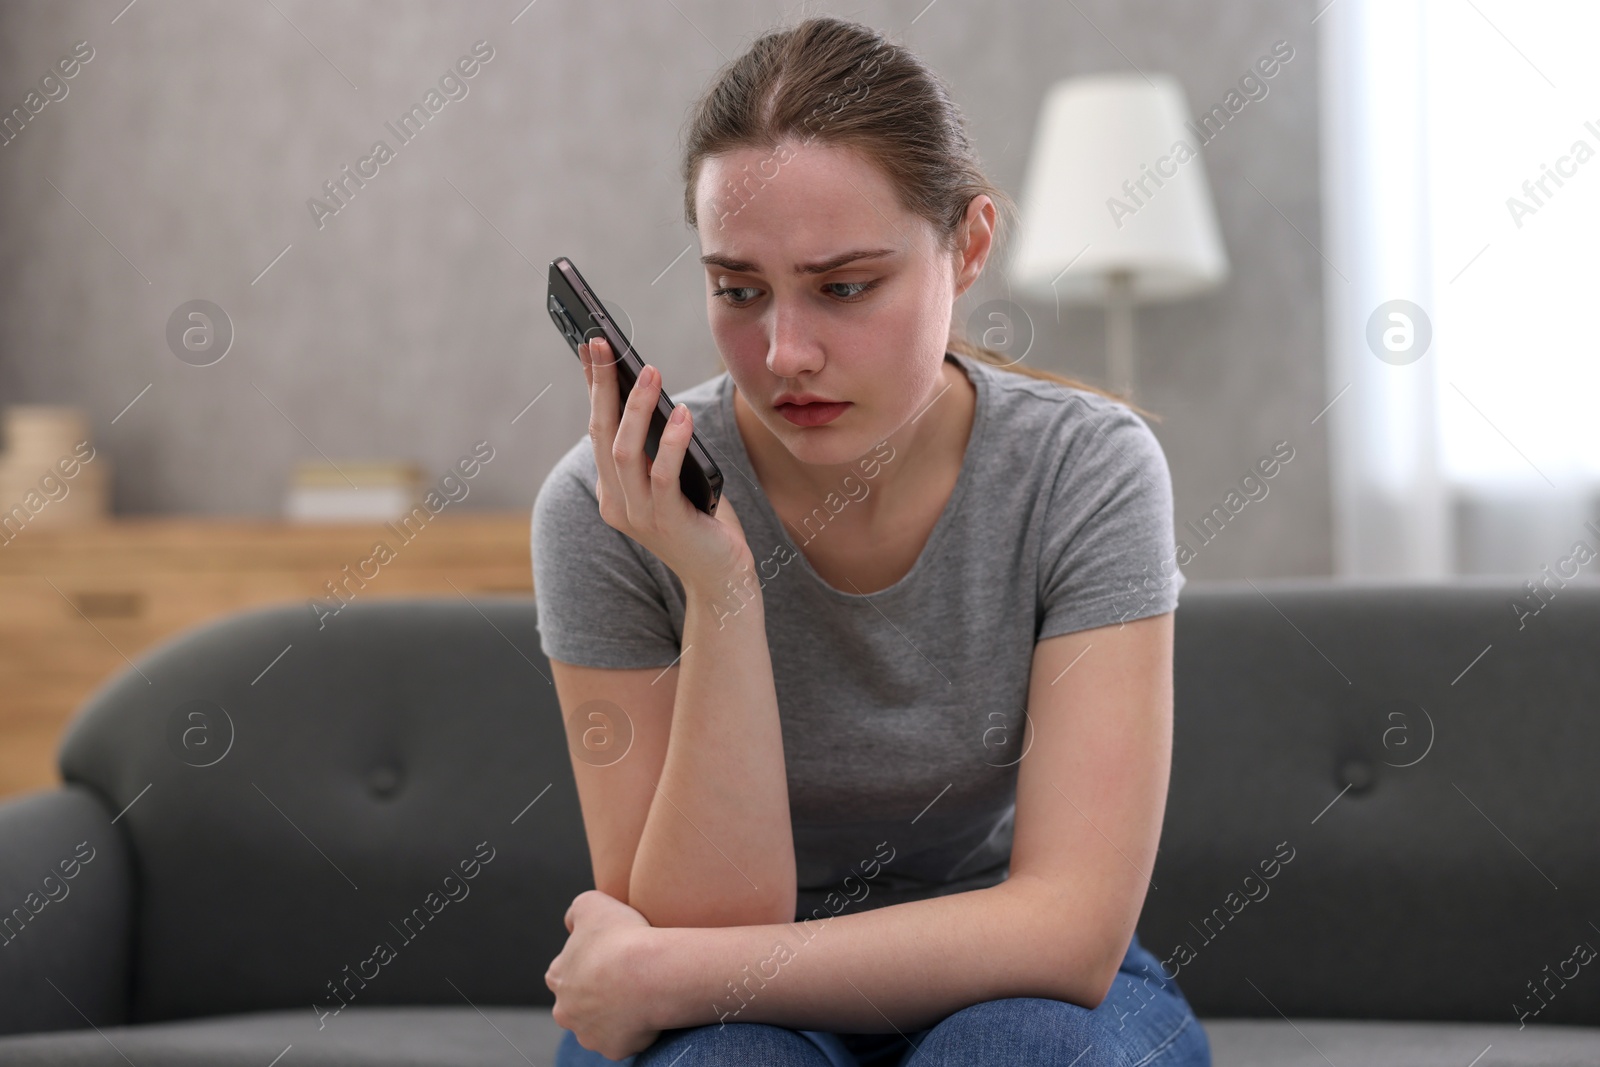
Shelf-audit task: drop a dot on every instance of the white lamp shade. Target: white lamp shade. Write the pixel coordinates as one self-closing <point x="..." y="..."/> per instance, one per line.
<point x="1080" y="221"/>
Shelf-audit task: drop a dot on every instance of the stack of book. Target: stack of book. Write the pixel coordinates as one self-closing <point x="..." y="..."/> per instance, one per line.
<point x="51" y="474"/>
<point x="353" y="491"/>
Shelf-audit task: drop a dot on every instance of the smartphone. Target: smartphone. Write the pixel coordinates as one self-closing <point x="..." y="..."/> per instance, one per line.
<point x="579" y="315"/>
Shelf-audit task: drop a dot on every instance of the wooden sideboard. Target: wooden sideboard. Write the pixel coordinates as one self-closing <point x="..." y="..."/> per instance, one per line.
<point x="75" y="600"/>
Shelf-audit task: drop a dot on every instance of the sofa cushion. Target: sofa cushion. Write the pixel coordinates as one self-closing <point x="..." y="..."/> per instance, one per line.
<point x="382" y="1036"/>
<point x="1318" y="1042"/>
<point x="1382" y="803"/>
<point x="340" y="814"/>
<point x="436" y="1036"/>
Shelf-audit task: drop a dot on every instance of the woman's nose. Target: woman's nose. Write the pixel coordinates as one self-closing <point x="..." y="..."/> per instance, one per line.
<point x="791" y="351"/>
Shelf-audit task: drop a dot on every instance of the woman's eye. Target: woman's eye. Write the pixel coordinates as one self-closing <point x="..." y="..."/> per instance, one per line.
<point x="855" y="292"/>
<point x="725" y="292"/>
<point x="861" y="288"/>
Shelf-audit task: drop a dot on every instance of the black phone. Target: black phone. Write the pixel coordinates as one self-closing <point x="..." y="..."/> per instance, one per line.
<point x="579" y="315"/>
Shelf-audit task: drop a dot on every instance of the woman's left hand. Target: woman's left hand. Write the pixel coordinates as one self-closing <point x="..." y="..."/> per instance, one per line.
<point x="598" y="980"/>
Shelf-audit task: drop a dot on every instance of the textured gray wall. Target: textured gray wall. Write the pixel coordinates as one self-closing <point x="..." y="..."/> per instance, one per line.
<point x="411" y="324"/>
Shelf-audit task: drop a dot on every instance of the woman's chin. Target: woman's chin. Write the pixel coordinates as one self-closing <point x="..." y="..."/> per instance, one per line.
<point x="839" y="450"/>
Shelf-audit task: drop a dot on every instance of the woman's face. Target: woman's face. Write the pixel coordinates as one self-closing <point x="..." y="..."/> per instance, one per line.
<point x="793" y="309"/>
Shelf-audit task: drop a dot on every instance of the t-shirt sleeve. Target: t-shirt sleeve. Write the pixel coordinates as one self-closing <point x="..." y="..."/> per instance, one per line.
<point x="598" y="603"/>
<point x="1108" y="551"/>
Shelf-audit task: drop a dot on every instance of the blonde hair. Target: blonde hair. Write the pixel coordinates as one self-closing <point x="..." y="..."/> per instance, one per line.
<point x="828" y="80"/>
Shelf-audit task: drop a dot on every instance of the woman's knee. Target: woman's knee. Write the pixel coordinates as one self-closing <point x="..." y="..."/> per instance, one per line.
<point x="734" y="1045"/>
<point x="1045" y="1032"/>
<point x="1023" y="1030"/>
<point x="1040" y="1032"/>
<point x="571" y="1054"/>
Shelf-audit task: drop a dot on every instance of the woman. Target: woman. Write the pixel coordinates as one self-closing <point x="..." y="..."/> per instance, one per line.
<point x="955" y="579"/>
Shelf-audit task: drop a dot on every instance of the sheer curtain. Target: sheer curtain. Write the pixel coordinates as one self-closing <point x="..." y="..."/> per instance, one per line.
<point x="1461" y="173"/>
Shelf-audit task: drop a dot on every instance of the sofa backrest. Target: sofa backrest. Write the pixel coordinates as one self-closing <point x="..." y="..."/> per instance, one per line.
<point x="1384" y="802"/>
<point x="380" y="810"/>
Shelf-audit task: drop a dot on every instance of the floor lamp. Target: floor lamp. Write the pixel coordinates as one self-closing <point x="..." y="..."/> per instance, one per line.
<point x="1116" y="209"/>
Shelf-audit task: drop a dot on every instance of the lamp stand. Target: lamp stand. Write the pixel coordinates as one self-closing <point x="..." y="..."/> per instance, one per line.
<point x="1119" y="332"/>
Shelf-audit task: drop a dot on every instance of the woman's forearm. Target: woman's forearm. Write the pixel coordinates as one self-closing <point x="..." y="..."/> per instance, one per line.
<point x="900" y="968"/>
<point x="717" y="847"/>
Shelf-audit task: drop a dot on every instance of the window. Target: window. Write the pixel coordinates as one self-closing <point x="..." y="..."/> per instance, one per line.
<point x="1461" y="173"/>
<point x="1513" y="179"/>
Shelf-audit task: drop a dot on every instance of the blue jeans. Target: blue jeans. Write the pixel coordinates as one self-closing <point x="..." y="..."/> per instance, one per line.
<point x="1144" y="1020"/>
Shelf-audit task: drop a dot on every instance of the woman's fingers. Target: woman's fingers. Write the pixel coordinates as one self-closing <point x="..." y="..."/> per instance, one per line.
<point x="603" y="386"/>
<point x="645" y="492"/>
<point x="669" y="462"/>
<point x="628" y="449"/>
<point x="603" y="417"/>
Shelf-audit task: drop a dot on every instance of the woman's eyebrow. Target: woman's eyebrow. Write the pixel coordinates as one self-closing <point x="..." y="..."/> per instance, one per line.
<point x="739" y="266"/>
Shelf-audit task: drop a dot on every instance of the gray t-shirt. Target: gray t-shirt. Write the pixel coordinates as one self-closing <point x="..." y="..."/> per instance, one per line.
<point x="902" y="710"/>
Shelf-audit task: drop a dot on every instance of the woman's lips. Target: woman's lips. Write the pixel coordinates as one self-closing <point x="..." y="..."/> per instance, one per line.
<point x="812" y="414"/>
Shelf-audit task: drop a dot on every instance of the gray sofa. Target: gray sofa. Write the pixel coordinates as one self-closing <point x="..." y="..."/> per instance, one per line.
<point x="1380" y="838"/>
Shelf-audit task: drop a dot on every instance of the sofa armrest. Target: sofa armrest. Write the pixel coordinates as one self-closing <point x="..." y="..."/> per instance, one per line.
<point x="66" y="913"/>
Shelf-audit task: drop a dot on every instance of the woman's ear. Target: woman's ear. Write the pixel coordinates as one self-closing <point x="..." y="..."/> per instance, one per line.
<point x="975" y="240"/>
